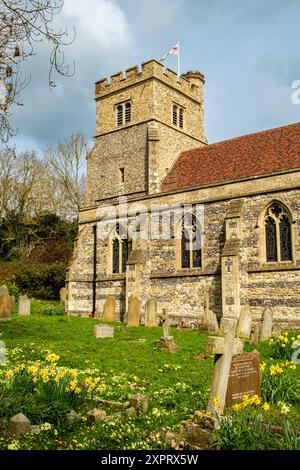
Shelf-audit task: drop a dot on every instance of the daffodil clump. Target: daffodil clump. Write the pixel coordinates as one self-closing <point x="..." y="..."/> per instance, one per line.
<point x="253" y="401"/>
<point x="47" y="380"/>
<point x="280" y="381"/>
<point x="282" y="345"/>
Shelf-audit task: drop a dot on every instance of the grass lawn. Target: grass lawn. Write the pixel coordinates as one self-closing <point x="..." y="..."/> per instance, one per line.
<point x="176" y="384"/>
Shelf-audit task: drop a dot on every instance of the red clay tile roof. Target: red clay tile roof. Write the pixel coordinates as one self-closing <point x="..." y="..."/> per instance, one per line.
<point x="250" y="155"/>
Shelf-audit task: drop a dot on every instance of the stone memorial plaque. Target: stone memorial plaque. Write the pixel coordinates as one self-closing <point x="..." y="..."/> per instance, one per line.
<point x="244" y="377"/>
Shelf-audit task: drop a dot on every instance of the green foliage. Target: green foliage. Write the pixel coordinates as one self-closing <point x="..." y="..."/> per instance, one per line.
<point x="279" y="384"/>
<point x="280" y="346"/>
<point x="53" y="312"/>
<point x="42" y="281"/>
<point x="251" y="429"/>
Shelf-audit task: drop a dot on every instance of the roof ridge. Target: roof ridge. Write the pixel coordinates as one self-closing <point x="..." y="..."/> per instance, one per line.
<point x="242" y="136"/>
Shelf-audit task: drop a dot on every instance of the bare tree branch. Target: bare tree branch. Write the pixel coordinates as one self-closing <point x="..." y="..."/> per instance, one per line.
<point x="23" y="23"/>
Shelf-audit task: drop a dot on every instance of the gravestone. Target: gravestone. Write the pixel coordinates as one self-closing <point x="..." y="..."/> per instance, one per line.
<point x="63" y="295"/>
<point x="244" y="323"/>
<point x="267" y="325"/>
<point x="134" y="308"/>
<point x="13" y="300"/>
<point x="5" y="305"/>
<point x="244" y="377"/>
<point x="166" y="341"/>
<point x="140" y="403"/>
<point x="255" y="334"/>
<point x="24" y="306"/>
<point x="96" y="415"/>
<point x="103" y="331"/>
<point x="210" y="322"/>
<point x="109" y="309"/>
<point x="151" y="313"/>
<point x="2" y="353"/>
<point x="224" y="349"/>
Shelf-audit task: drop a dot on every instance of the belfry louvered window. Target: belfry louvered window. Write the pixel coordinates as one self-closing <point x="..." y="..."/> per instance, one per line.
<point x="123" y="114"/>
<point x="175" y="115"/>
<point x="181" y="118"/>
<point x="190" y="243"/>
<point x="121" y="248"/>
<point x="127" y="113"/>
<point x="278" y="234"/>
<point x="178" y="116"/>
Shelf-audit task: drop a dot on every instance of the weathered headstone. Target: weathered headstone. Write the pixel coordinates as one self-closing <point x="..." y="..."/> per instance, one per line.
<point x="165" y="324"/>
<point x="140" y="402"/>
<point x="267" y="325"/>
<point x="134" y="308"/>
<point x="210" y="322"/>
<point x="244" y="377"/>
<point x="255" y="334"/>
<point x="13" y="300"/>
<point x="5" y="305"/>
<point x="2" y="353"/>
<point x="224" y="349"/>
<point x="63" y="295"/>
<point x="103" y="331"/>
<point x="24" y="306"/>
<point x="151" y="313"/>
<point x="96" y="415"/>
<point x="18" y="425"/>
<point x="244" y="323"/>
<point x="109" y="309"/>
<point x="166" y="341"/>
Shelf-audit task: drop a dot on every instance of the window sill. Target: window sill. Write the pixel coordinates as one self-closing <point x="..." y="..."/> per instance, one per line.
<point x="269" y="267"/>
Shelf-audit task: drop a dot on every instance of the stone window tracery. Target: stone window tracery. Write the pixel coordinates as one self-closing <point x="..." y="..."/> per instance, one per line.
<point x="190" y="243"/>
<point x="278" y="234"/>
<point x="121" y="248"/>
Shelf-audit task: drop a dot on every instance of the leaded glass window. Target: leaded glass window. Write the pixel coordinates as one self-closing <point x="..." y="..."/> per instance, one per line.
<point x="278" y="234"/>
<point x="190" y="243"/>
<point x="121" y="248"/>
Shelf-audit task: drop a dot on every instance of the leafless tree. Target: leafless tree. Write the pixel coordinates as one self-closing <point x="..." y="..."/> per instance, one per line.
<point x="66" y="163"/>
<point x="22" y="24"/>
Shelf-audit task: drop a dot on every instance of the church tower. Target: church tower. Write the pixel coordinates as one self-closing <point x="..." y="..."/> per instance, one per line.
<point x="144" y="120"/>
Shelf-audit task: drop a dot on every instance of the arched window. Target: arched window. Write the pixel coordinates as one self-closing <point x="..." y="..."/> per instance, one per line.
<point x="121" y="248"/>
<point x="181" y="118"/>
<point x="190" y="243"/>
<point x="119" y="117"/>
<point x="127" y="113"/>
<point x="175" y="115"/>
<point x="278" y="236"/>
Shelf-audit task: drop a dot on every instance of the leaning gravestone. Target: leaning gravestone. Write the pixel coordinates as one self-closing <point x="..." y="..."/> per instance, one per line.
<point x="24" y="306"/>
<point x="151" y="313"/>
<point x="5" y="305"/>
<point x="223" y="348"/>
<point x="103" y="331"/>
<point x="244" y="323"/>
<point x="134" y="308"/>
<point x="109" y="309"/>
<point x="267" y="325"/>
<point x="244" y="377"/>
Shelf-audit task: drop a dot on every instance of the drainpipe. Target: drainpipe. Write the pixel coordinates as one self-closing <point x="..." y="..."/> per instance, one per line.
<point x="94" y="270"/>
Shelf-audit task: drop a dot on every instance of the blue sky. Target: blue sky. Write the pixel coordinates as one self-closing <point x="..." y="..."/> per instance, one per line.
<point x="249" y="52"/>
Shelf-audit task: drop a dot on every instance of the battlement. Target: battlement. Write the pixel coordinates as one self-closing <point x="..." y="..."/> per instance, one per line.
<point x="189" y="83"/>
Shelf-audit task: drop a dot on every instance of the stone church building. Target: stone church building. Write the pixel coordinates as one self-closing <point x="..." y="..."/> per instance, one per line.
<point x="150" y="162"/>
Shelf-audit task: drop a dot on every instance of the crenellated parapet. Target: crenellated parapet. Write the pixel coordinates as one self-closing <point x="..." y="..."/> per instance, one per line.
<point x="189" y="83"/>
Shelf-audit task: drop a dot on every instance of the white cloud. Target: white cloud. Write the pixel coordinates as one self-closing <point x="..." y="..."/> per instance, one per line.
<point x="102" y="19"/>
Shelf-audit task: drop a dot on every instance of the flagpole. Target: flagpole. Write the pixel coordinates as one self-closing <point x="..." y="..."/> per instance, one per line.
<point x="178" y="62"/>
